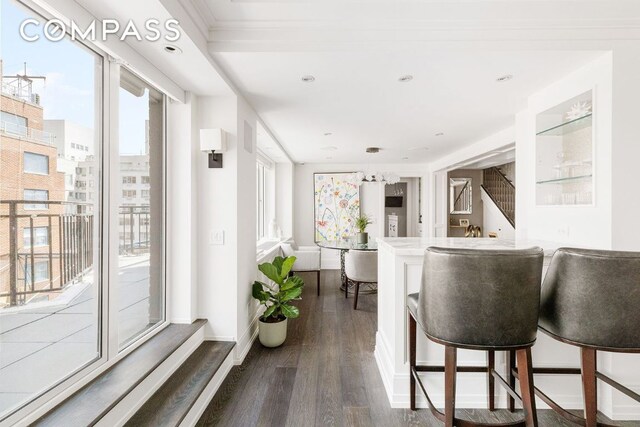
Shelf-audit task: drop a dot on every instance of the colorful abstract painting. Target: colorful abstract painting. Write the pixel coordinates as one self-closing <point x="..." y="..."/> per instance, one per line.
<point x="337" y="205"/>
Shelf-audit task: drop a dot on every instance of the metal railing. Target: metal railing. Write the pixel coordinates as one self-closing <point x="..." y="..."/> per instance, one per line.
<point x="24" y="132"/>
<point x="134" y="229"/>
<point x="502" y="192"/>
<point x="67" y="250"/>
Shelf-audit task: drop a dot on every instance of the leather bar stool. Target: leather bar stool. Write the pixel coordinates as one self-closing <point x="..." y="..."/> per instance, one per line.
<point x="591" y="299"/>
<point x="484" y="300"/>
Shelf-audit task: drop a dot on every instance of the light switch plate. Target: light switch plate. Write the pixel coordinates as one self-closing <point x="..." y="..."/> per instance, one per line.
<point x="216" y="237"/>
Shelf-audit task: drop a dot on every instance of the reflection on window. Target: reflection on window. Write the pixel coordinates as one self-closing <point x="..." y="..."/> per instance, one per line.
<point x="49" y="255"/>
<point x="141" y="141"/>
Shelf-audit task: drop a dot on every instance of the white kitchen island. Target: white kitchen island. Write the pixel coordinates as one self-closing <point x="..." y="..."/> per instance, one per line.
<point x="399" y="274"/>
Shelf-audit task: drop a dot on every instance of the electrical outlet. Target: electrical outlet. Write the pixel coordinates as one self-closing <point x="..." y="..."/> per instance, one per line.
<point x="216" y="237"/>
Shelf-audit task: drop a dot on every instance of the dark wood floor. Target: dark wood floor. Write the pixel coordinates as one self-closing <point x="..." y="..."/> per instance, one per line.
<point x="325" y="373"/>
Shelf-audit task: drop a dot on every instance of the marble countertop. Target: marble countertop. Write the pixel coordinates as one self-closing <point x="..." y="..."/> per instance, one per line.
<point x="415" y="246"/>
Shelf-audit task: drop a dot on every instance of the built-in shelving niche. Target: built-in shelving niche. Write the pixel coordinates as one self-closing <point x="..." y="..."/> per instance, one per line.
<point x="564" y="153"/>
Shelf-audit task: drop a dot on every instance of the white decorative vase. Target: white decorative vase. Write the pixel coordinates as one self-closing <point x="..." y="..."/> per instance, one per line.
<point x="272" y="334"/>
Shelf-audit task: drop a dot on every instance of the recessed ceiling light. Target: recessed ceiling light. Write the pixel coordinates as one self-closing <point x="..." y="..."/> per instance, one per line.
<point x="308" y="79"/>
<point x="440" y="134"/>
<point x="173" y="49"/>
<point x="405" y="158"/>
<point x="329" y="148"/>
<point x="504" y="78"/>
<point x="405" y="78"/>
<point x="328" y="134"/>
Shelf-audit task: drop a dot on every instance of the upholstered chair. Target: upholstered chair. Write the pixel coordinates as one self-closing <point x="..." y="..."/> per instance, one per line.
<point x="307" y="258"/>
<point x="360" y="267"/>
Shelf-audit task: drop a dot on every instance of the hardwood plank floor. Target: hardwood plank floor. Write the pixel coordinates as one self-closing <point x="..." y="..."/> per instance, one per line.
<point x="325" y="373"/>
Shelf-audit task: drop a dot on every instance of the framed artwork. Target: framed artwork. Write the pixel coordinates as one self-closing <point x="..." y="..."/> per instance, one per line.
<point x="336" y="205"/>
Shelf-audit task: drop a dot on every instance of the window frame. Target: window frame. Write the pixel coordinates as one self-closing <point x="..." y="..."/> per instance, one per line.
<point x="33" y="239"/>
<point x="107" y="71"/>
<point x="24" y="163"/>
<point x="35" y="206"/>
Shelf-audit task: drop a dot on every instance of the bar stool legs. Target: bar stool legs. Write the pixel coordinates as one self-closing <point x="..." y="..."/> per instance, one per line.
<point x="524" y="372"/>
<point x="511" y="378"/>
<point x="525" y="375"/>
<point x="412" y="362"/>
<point x="589" y="387"/>
<point x="491" y="384"/>
<point x="450" y="367"/>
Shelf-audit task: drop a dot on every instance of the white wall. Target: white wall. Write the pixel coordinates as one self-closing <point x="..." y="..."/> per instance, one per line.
<point x="246" y="230"/>
<point x="217" y="266"/>
<point x="494" y="220"/>
<point x="589" y="226"/>
<point x="371" y="201"/>
<point x="182" y="158"/>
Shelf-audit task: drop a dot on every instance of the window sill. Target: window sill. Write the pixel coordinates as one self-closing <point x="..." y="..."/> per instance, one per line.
<point x="266" y="248"/>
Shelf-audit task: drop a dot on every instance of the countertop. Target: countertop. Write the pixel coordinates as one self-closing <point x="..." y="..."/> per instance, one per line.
<point x="415" y="246"/>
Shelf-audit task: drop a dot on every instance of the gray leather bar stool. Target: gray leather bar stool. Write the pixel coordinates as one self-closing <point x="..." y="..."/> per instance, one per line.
<point x="480" y="300"/>
<point x="591" y="299"/>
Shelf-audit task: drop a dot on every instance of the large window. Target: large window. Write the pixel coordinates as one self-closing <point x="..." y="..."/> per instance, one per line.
<point x="36" y="163"/>
<point x="260" y="201"/>
<point x="13" y="124"/>
<point x="141" y="267"/>
<point x="50" y="253"/>
<point x="41" y="236"/>
<point x="30" y="194"/>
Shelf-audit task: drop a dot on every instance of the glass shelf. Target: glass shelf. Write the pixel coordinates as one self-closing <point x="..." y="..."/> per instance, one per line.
<point x="568" y="127"/>
<point x="565" y="180"/>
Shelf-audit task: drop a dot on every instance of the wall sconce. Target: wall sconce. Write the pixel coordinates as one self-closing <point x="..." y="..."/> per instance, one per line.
<point x="214" y="142"/>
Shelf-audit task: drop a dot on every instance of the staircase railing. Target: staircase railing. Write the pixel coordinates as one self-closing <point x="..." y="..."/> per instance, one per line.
<point x="501" y="191"/>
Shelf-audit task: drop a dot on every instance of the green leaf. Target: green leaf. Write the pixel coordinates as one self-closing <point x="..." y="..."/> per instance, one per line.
<point x="290" y="311"/>
<point x="287" y="265"/>
<point x="271" y="271"/>
<point x="258" y="292"/>
<point x="269" y="311"/>
<point x="292" y="282"/>
<point x="291" y="294"/>
<point x="277" y="262"/>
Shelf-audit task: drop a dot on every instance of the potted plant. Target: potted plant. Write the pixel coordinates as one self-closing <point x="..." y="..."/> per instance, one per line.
<point x="362" y="221"/>
<point x="277" y="298"/>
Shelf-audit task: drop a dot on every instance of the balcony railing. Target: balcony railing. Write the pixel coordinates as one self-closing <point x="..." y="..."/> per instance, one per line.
<point x="134" y="229"/>
<point x="67" y="249"/>
<point x="27" y="133"/>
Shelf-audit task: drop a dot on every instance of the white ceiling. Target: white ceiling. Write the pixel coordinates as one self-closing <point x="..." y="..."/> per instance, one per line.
<point x="357" y="97"/>
<point x="357" y="50"/>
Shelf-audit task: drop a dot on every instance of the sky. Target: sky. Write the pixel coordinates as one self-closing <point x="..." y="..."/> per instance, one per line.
<point x="69" y="91"/>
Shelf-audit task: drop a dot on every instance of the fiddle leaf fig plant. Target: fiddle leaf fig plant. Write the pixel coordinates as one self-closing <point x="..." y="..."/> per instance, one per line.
<point x="277" y="296"/>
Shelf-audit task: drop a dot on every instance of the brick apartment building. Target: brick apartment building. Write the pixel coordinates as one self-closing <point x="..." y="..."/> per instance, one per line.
<point x="29" y="229"/>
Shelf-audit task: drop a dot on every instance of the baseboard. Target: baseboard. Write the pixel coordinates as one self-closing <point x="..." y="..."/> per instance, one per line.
<point x="246" y="341"/>
<point x="203" y="401"/>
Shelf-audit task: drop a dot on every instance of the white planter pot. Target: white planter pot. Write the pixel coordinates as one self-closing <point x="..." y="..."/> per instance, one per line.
<point x="272" y="334"/>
